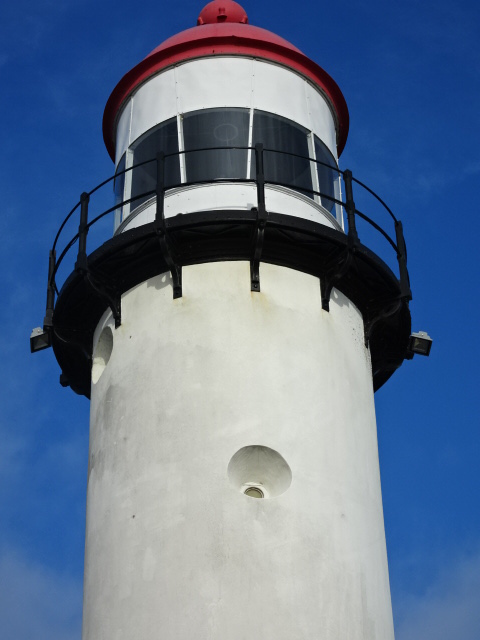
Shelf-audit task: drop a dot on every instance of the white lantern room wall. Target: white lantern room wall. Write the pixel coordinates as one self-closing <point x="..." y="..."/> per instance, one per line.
<point x="173" y="112"/>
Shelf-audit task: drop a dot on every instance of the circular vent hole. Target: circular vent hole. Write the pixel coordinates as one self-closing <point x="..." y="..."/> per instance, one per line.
<point x="254" y="492"/>
<point x="259" y="472"/>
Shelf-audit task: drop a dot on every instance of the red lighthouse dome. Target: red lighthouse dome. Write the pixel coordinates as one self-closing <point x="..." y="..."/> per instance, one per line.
<point x="223" y="29"/>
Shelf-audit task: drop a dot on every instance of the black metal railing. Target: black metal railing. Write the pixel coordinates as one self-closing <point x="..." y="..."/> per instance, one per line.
<point x="259" y="179"/>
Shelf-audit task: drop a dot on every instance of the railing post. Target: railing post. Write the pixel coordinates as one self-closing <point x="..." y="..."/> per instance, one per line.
<point x="160" y="189"/>
<point x="350" y="207"/>
<point x="261" y="220"/>
<point x="260" y="179"/>
<point x="165" y="245"/>
<point x="405" y="290"/>
<point x="81" y="264"/>
<point x="48" y="320"/>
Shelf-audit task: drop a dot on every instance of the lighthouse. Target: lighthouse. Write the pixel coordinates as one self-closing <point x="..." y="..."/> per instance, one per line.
<point x="230" y="336"/>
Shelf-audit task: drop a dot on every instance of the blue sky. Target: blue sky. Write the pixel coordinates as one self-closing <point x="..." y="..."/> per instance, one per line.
<point x="410" y="73"/>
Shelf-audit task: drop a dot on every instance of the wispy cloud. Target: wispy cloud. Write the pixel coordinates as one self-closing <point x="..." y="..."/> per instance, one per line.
<point x="36" y="602"/>
<point x="449" y="608"/>
<point x="472" y="169"/>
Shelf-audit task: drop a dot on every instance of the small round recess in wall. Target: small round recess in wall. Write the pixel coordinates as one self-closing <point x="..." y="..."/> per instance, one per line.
<point x="259" y="472"/>
<point x="101" y="355"/>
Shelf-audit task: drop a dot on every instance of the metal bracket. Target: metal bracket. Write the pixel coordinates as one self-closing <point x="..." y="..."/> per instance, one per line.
<point x="73" y="342"/>
<point x="110" y="295"/>
<point x="64" y="379"/>
<point x="257" y="248"/>
<point x="333" y="273"/>
<point x="175" y="269"/>
<point x="390" y="307"/>
<point x="261" y="220"/>
<point x="161" y="229"/>
<point x="337" y="270"/>
<point x="66" y="382"/>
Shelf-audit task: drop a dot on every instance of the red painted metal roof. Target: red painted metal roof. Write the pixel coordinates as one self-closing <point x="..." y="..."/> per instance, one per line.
<point x="223" y="29"/>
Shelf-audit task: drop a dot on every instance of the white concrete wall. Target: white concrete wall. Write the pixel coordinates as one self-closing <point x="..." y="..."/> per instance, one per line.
<point x="174" y="550"/>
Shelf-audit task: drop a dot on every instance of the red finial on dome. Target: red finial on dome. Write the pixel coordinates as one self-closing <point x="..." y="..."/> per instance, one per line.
<point x="222" y="11"/>
<point x="223" y="30"/>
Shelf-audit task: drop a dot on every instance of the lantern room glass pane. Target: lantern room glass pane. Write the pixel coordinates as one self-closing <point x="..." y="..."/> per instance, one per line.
<point x="119" y="189"/>
<point x="144" y="179"/>
<point x="327" y="178"/>
<point x="208" y="130"/>
<point x="119" y="182"/>
<point x="278" y="134"/>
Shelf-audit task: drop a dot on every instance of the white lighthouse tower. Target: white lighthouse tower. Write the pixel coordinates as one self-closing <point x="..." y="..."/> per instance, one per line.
<point x="230" y="336"/>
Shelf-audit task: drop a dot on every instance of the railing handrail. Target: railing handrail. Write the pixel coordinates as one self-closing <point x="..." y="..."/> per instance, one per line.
<point x="184" y="151"/>
<point x="260" y="180"/>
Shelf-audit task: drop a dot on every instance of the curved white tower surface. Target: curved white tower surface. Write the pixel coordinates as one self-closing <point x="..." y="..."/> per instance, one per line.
<point x="174" y="549"/>
<point x="233" y="481"/>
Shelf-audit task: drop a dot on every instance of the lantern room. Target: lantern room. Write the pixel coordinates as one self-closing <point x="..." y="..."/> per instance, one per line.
<point x="204" y="99"/>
